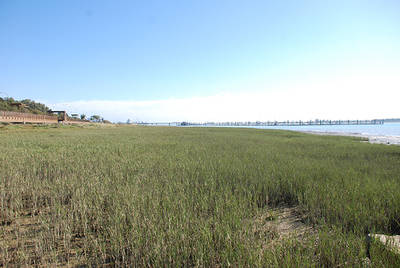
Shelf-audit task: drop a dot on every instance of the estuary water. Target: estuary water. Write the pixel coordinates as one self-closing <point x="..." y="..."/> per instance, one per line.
<point x="387" y="133"/>
<point x="386" y="129"/>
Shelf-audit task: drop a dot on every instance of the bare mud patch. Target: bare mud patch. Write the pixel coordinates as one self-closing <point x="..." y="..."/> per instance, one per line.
<point x="23" y="241"/>
<point x="288" y="222"/>
<point x="275" y="225"/>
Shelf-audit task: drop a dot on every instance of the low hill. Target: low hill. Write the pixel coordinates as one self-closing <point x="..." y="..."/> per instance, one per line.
<point x="23" y="106"/>
<point x="30" y="106"/>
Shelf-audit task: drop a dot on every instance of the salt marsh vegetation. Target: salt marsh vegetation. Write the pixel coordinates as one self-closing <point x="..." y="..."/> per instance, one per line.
<point x="167" y="196"/>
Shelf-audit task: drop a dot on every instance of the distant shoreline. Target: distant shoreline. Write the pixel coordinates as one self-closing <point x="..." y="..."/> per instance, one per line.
<point x="377" y="139"/>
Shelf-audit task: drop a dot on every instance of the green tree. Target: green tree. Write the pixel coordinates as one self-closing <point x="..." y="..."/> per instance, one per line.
<point x="95" y="118"/>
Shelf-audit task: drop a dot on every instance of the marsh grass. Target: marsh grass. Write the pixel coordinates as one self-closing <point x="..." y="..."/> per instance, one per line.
<point x="160" y="196"/>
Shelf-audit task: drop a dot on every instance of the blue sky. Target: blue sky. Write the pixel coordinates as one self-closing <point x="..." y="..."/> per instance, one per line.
<point x="200" y="60"/>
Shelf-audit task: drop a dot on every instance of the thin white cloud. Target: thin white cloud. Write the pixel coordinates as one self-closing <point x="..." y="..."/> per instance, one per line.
<point x="350" y="96"/>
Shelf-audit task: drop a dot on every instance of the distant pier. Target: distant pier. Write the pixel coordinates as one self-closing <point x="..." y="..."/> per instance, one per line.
<point x="271" y="123"/>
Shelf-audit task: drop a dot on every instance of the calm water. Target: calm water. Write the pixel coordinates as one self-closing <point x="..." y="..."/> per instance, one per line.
<point x="387" y="129"/>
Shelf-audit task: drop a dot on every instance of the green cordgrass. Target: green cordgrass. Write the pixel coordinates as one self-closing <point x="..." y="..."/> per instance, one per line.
<point x="161" y="196"/>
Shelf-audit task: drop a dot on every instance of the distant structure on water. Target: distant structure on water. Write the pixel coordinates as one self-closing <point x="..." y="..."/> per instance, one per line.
<point x="273" y="123"/>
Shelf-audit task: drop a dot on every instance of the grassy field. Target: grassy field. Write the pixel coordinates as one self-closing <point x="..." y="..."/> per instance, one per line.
<point x="159" y="196"/>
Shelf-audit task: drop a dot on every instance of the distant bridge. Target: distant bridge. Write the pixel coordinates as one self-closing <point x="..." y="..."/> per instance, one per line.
<point x="271" y="123"/>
